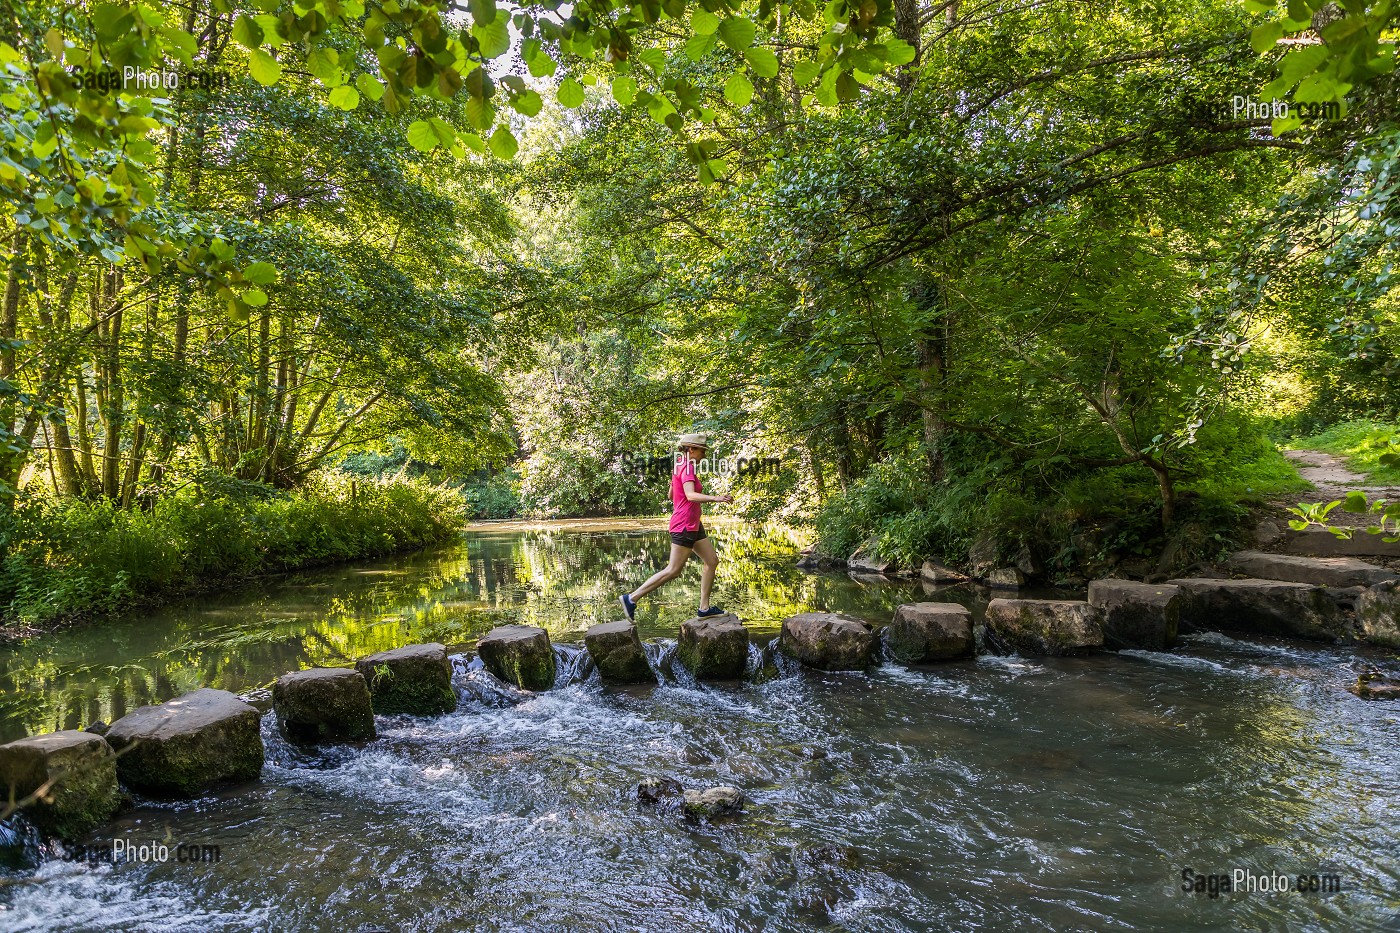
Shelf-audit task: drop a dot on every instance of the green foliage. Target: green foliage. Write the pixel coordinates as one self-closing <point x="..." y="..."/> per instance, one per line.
<point x="494" y="495"/>
<point x="67" y="558"/>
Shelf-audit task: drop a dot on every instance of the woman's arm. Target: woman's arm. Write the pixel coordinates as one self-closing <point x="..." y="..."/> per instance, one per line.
<point x="694" y="496"/>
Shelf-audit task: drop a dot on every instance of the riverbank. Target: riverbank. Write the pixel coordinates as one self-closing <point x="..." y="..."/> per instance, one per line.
<point x="69" y="561"/>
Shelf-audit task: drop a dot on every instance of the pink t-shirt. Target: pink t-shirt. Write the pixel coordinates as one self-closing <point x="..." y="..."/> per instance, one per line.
<point x="685" y="515"/>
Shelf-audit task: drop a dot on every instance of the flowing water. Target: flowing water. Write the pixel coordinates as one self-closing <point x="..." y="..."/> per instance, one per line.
<point x="1001" y="793"/>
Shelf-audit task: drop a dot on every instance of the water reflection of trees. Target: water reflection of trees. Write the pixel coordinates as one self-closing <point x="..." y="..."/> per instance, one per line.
<point x="560" y="581"/>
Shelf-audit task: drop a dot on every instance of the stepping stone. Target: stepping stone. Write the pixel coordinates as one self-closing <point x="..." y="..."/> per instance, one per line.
<point x="187" y="745"/>
<point x="323" y="705"/>
<point x="828" y="640"/>
<point x="1137" y="615"/>
<point x="1046" y="626"/>
<point x="712" y="802"/>
<point x="1263" y="607"/>
<point x="617" y="651"/>
<point x="520" y="655"/>
<point x="1320" y="571"/>
<point x="714" y="647"/>
<point x="923" y="632"/>
<point x="1318" y="543"/>
<point x="415" y="679"/>
<point x="1378" y="611"/>
<point x="83" y="771"/>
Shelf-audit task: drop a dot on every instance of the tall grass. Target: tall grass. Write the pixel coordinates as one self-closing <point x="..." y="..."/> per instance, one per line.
<point x="67" y="558"/>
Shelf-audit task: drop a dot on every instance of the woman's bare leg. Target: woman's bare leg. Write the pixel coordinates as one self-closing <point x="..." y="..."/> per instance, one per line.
<point x="666" y="574"/>
<point x="706" y="552"/>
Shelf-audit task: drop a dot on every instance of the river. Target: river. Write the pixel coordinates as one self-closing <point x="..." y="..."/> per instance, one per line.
<point x="996" y="793"/>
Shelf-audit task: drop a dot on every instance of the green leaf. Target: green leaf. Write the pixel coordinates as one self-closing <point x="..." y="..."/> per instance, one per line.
<point x="421" y="136"/>
<point x="474" y="142"/>
<point x="738" y="90"/>
<point x="493" y="37"/>
<point x="345" y="97"/>
<point x="254" y="297"/>
<point x="703" y="22"/>
<point x="528" y="103"/>
<point x="542" y="66"/>
<point x="264" y="68"/>
<point x="763" y="62"/>
<point x="570" y="94"/>
<point x="737" y="32"/>
<point x="624" y="90"/>
<point x="503" y="143"/>
<point x="805" y="72"/>
<point x="247" y="33"/>
<point x="369" y="86"/>
<point x="483" y="11"/>
<point x="697" y="47"/>
<point x="899" y="52"/>
<point x="260" y="273"/>
<point x="1265" y="35"/>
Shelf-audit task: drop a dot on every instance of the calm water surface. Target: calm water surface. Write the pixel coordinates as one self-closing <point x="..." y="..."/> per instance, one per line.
<point x="1000" y="793"/>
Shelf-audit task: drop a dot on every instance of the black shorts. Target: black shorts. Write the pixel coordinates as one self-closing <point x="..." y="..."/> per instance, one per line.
<point x="688" y="538"/>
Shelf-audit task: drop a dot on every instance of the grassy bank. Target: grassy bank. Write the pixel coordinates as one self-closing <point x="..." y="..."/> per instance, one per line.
<point x="67" y="559"/>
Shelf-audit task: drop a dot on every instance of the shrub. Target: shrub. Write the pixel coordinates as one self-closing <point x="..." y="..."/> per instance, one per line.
<point x="68" y="558"/>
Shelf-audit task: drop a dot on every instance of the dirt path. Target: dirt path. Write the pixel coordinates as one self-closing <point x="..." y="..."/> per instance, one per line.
<point x="1332" y="479"/>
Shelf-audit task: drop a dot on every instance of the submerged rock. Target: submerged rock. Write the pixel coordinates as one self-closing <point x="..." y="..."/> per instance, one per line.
<point x="1378" y="611"/>
<point x="189" y="744"/>
<point x="1373" y="685"/>
<point x="520" y="655"/>
<point x="83" y="794"/>
<point x="323" y="705"/>
<point x="923" y="632"/>
<point x="818" y="563"/>
<point x="714" y="647"/>
<point x="828" y="640"/>
<point x="1046" y="626"/>
<point x="713" y="802"/>
<point x="617" y="652"/>
<point x="1320" y="571"/>
<point x="653" y="791"/>
<point x="1137" y="615"/>
<point x="1266" y="607"/>
<point x="414" y="679"/>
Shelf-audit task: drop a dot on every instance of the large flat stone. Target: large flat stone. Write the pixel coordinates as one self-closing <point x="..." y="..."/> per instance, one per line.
<point x="617" y="650"/>
<point x="714" y="647"/>
<point x="323" y="705"/>
<point x="1318" y="543"/>
<point x="78" y="771"/>
<point x="923" y="632"/>
<point x="1378" y="611"/>
<point x="189" y="744"/>
<point x="1046" y="626"/>
<point x="828" y="640"/>
<point x="1137" y="615"/>
<point x="1265" y="607"/>
<point x="519" y="654"/>
<point x="1319" y="571"/>
<point x="415" y="679"/>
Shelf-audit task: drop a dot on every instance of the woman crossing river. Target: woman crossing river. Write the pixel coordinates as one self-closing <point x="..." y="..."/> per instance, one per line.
<point x="687" y="530"/>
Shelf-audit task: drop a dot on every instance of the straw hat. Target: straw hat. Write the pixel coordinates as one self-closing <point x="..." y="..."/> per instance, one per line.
<point x="693" y="440"/>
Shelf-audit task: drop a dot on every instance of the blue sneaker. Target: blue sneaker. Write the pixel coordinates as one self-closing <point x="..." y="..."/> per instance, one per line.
<point x="712" y="611"/>
<point x="628" y="607"/>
